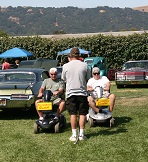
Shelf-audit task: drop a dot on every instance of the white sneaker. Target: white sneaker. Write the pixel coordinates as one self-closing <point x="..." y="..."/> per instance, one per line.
<point x="81" y="138"/>
<point x="41" y="120"/>
<point x="72" y="138"/>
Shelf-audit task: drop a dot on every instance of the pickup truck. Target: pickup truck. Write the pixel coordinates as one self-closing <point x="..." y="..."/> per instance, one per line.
<point x="99" y="62"/>
<point x="132" y="73"/>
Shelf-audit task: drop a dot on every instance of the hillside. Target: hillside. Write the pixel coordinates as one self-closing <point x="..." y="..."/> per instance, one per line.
<point x="141" y="8"/>
<point x="18" y="21"/>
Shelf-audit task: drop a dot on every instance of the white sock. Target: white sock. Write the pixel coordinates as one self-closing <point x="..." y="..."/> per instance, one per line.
<point x="55" y="117"/>
<point x="74" y="132"/>
<point x="81" y="132"/>
<point x="41" y="118"/>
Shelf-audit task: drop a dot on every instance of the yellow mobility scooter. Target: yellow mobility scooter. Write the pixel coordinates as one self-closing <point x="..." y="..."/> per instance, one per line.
<point x="49" y="113"/>
<point x="105" y="117"/>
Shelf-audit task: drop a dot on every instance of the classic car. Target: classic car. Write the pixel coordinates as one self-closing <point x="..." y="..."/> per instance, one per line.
<point x="132" y="73"/>
<point x="19" y="87"/>
<point x="99" y="62"/>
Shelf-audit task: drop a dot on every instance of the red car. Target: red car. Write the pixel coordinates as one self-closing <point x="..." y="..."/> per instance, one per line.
<point x="132" y="73"/>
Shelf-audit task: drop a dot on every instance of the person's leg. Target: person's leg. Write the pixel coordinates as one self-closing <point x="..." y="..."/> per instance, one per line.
<point x="40" y="113"/>
<point x="83" y="111"/>
<point x="71" y="106"/>
<point x="112" y="102"/>
<point x="73" y="121"/>
<point x="82" y="120"/>
<point x="61" y="107"/>
<point x="92" y="104"/>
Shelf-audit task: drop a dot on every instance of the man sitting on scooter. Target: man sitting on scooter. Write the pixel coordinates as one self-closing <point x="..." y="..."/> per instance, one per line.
<point x="57" y="87"/>
<point x="103" y="82"/>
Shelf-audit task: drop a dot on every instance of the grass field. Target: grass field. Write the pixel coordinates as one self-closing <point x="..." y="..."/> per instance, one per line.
<point x="127" y="141"/>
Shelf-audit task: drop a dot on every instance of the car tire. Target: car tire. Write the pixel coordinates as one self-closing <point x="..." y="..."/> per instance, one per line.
<point x="64" y="123"/>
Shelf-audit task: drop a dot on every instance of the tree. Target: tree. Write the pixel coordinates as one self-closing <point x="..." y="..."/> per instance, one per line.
<point x="3" y="34"/>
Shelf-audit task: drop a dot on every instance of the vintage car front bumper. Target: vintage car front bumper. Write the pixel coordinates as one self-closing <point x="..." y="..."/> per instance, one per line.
<point x="9" y="102"/>
<point x="132" y="82"/>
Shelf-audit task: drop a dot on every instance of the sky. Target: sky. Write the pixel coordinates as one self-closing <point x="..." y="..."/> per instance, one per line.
<point x="74" y="3"/>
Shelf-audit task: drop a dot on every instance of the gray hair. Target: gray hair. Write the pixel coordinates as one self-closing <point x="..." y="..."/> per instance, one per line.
<point x="54" y="70"/>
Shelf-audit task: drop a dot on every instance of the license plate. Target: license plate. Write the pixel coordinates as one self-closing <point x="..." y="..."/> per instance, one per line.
<point x="44" y="106"/>
<point x="2" y="102"/>
<point x="103" y="102"/>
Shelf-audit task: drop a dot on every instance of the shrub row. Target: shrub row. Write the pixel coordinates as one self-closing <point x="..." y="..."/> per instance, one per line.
<point x="116" y="49"/>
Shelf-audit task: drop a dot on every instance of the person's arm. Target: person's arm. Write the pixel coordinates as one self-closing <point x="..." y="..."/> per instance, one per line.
<point x="58" y="92"/>
<point x="41" y="92"/>
<point x="3" y="66"/>
<point x="63" y="75"/>
<point x="88" y="74"/>
<point x="89" y="88"/>
<point x="107" y="86"/>
<point x="61" y="88"/>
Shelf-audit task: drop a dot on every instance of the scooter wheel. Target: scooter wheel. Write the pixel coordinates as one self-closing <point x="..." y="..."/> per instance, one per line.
<point x="57" y="128"/>
<point x="112" y="122"/>
<point x="90" y="122"/>
<point x="64" y="123"/>
<point x="36" y="128"/>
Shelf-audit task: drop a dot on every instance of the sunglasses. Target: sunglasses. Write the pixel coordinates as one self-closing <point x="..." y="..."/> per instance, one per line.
<point x="96" y="73"/>
<point x="53" y="74"/>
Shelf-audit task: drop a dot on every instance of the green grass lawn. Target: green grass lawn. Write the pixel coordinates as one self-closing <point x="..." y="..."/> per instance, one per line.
<point x="127" y="141"/>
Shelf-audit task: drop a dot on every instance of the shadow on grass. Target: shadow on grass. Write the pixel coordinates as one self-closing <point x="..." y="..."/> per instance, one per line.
<point x="137" y="86"/>
<point x="119" y="127"/>
<point x="17" y="114"/>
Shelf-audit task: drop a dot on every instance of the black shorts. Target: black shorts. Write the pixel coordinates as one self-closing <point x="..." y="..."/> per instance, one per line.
<point x="77" y="104"/>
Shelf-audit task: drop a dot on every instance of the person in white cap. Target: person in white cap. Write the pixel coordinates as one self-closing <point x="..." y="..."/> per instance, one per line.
<point x="103" y="82"/>
<point x="57" y="88"/>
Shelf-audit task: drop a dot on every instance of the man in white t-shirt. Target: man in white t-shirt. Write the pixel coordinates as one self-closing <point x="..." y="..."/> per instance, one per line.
<point x="103" y="82"/>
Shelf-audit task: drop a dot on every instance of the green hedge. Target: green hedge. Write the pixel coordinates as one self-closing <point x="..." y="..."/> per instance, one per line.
<point x="116" y="49"/>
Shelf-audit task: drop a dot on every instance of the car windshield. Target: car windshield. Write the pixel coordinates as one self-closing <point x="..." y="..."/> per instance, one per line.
<point x="135" y="65"/>
<point x="89" y="61"/>
<point x="17" y="77"/>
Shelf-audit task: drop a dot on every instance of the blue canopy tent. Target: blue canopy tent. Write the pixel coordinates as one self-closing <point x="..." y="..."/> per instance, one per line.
<point x="15" y="52"/>
<point x="67" y="51"/>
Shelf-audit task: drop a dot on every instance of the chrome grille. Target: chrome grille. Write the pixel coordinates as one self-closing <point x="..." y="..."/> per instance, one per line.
<point x="19" y="96"/>
<point x="133" y="77"/>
